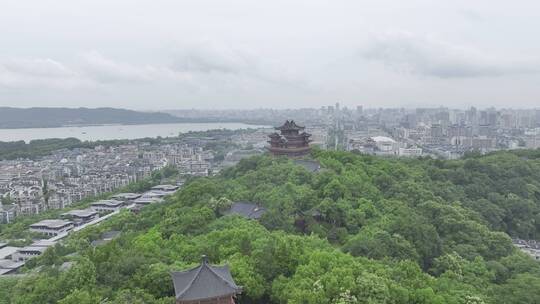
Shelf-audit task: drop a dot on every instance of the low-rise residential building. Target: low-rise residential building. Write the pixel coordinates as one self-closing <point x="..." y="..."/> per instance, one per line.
<point x="43" y="243"/>
<point x="410" y="152"/>
<point x="107" y="205"/>
<point x="28" y="252"/>
<point x="8" y="266"/>
<point x="126" y="197"/>
<point x="194" y="167"/>
<point x="7" y="251"/>
<point x="156" y="193"/>
<point x="143" y="201"/>
<point x="166" y="188"/>
<point x="52" y="227"/>
<point x="79" y="217"/>
<point x="35" y="249"/>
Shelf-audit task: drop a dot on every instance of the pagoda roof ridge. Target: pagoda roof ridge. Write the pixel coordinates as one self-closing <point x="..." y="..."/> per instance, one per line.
<point x="289" y="125"/>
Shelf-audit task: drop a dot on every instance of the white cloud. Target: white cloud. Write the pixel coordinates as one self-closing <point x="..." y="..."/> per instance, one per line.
<point x="101" y="69"/>
<point x="206" y="57"/>
<point x="92" y="69"/>
<point x="38" y="67"/>
<point x="202" y="66"/>
<point x="214" y="60"/>
<point x="37" y="72"/>
<point x="279" y="53"/>
<point x="410" y="53"/>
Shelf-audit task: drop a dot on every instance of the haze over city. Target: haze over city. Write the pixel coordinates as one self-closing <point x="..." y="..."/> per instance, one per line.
<point x="155" y="55"/>
<point x="273" y="152"/>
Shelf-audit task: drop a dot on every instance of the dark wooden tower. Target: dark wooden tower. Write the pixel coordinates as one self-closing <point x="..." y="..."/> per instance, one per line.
<point x="291" y="141"/>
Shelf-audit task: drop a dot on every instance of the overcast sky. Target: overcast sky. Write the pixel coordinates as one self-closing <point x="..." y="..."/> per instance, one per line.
<point x="178" y="54"/>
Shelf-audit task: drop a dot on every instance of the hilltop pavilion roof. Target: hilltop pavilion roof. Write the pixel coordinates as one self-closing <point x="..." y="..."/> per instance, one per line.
<point x="204" y="282"/>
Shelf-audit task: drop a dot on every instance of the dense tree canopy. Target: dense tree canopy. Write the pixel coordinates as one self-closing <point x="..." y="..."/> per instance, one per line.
<point x="362" y="230"/>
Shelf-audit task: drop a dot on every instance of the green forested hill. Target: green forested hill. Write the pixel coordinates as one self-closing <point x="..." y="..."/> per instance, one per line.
<point x="363" y="230"/>
<point x="57" y="117"/>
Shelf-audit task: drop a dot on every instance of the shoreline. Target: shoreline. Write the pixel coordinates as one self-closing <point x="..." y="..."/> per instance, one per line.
<point x="127" y="124"/>
<point x="117" y="131"/>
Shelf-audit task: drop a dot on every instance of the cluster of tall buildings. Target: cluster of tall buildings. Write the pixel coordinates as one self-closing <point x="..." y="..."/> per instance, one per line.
<point x="451" y="133"/>
<point x="441" y="132"/>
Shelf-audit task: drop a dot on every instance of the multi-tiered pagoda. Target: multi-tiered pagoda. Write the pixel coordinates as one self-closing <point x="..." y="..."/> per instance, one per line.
<point x="292" y="141"/>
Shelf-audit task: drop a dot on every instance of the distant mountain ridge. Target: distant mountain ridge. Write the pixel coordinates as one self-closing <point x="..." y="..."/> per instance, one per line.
<point x="41" y="117"/>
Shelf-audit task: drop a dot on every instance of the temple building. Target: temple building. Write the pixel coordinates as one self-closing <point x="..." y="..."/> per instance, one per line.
<point x="290" y="142"/>
<point x="205" y="284"/>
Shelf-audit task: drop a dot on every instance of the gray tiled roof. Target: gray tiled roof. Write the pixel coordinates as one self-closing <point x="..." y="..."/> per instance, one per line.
<point x="204" y="282"/>
<point x="80" y="213"/>
<point x="51" y="223"/>
<point x="247" y="210"/>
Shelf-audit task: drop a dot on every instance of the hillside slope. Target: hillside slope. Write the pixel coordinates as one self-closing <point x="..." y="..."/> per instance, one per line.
<point x="363" y="230"/>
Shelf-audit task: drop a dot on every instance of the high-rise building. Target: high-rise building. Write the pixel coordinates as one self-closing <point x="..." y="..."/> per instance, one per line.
<point x="359" y="110"/>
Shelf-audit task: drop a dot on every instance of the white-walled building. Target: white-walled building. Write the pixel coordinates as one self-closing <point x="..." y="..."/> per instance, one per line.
<point x="166" y="188"/>
<point x="52" y="227"/>
<point x="410" y="152"/>
<point x="107" y="205"/>
<point x="27" y="253"/>
<point x="147" y="200"/>
<point x="126" y="197"/>
<point x="79" y="217"/>
<point x="385" y="145"/>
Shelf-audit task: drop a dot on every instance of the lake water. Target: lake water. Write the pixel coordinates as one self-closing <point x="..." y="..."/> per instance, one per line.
<point x="116" y="131"/>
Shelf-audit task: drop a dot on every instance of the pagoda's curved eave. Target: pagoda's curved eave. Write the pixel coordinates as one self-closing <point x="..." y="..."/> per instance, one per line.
<point x="218" y="300"/>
